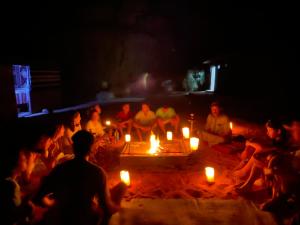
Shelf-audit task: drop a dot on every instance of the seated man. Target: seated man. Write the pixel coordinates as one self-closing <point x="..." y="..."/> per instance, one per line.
<point x="124" y="119"/>
<point x="144" y="121"/>
<point x="76" y="191"/>
<point x="217" y="128"/>
<point x="167" y="115"/>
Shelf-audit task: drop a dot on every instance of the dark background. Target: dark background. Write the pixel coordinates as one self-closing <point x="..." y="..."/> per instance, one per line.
<point x="119" y="40"/>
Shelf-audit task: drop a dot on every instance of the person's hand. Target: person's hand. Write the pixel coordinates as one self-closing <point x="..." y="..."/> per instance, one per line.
<point x="248" y="143"/>
<point x="48" y="200"/>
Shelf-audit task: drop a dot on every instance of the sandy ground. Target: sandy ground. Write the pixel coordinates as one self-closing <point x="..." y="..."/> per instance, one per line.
<point x="189" y="181"/>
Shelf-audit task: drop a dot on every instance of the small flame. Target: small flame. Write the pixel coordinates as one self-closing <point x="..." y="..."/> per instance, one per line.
<point x="154" y="145"/>
<point x="107" y="122"/>
<point x="231" y="125"/>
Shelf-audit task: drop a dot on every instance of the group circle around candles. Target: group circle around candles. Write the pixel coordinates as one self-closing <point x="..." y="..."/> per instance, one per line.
<point x="194" y="145"/>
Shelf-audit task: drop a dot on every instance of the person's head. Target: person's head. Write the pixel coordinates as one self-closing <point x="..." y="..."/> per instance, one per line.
<point x="97" y="108"/>
<point x="94" y="116"/>
<point x="59" y="131"/>
<point x="275" y="129"/>
<point x="294" y="130"/>
<point x="82" y="143"/>
<point x="215" y="109"/>
<point x="126" y="108"/>
<point x="165" y="108"/>
<point x="76" y="119"/>
<point x="145" y="108"/>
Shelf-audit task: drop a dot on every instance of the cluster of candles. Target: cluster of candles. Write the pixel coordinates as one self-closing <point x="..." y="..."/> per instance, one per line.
<point x="194" y="142"/>
<point x="209" y="174"/>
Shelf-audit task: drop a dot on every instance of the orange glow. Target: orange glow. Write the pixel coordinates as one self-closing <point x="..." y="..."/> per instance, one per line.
<point x="231" y="125"/>
<point x="154" y="145"/>
<point x="210" y="174"/>
<point x="107" y="122"/>
<point x="194" y="143"/>
<point x="169" y="135"/>
<point x="125" y="178"/>
<point x="127" y="138"/>
<point x="186" y="132"/>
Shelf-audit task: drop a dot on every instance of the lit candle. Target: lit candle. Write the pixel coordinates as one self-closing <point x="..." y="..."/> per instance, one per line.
<point x="127" y="138"/>
<point x="210" y="174"/>
<point x="186" y="132"/>
<point x="231" y="125"/>
<point x="194" y="143"/>
<point x="108" y="123"/>
<point x="169" y="135"/>
<point x="125" y="178"/>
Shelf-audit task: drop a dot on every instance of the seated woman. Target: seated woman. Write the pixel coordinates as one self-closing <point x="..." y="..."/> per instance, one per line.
<point x="53" y="146"/>
<point x="166" y="115"/>
<point x="124" y="119"/>
<point x="73" y="128"/>
<point x="256" y="157"/>
<point x="94" y="125"/>
<point x="217" y="128"/>
<point x="144" y="121"/>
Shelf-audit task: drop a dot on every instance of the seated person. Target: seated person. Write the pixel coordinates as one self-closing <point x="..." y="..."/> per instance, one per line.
<point x="144" y="121"/>
<point x="217" y="128"/>
<point x="167" y="115"/>
<point x="76" y="191"/>
<point x="53" y="146"/>
<point x="256" y="155"/>
<point x="15" y="207"/>
<point x="94" y="125"/>
<point x="124" y="119"/>
<point x="75" y="125"/>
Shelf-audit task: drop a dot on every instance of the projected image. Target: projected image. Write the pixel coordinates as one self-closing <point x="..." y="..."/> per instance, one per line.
<point x="196" y="80"/>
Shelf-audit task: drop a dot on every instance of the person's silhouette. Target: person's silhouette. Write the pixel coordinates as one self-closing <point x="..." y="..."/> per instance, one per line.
<point x="77" y="190"/>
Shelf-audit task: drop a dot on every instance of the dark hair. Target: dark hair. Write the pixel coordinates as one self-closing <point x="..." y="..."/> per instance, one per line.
<point x="274" y="124"/>
<point x="92" y="112"/>
<point x="82" y="142"/>
<point x="216" y="104"/>
<point x="71" y="124"/>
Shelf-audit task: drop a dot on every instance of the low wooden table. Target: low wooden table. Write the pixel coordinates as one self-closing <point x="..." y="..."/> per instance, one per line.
<point x="171" y="154"/>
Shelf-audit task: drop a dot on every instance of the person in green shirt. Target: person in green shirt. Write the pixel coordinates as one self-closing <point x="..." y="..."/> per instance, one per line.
<point x="217" y="128"/>
<point x="167" y="115"/>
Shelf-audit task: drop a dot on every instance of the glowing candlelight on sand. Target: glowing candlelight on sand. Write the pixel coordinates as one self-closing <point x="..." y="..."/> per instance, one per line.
<point x="154" y="144"/>
<point x="186" y="132"/>
<point x="127" y="138"/>
<point x="210" y="174"/>
<point x="169" y="135"/>
<point x="107" y="122"/>
<point x="231" y="125"/>
<point x="194" y="143"/>
<point x="125" y="178"/>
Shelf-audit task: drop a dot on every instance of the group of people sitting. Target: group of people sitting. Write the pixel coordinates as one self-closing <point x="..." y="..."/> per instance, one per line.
<point x="52" y="178"/>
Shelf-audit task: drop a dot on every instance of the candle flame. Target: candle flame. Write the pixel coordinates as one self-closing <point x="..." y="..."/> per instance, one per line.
<point x="231" y="125"/>
<point x="124" y="175"/>
<point x="210" y="174"/>
<point x="154" y="145"/>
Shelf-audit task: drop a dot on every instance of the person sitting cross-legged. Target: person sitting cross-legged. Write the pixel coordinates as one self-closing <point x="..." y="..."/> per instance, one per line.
<point x="217" y="127"/>
<point x="124" y="119"/>
<point x="144" y="121"/>
<point x="166" y="115"/>
<point x="76" y="191"/>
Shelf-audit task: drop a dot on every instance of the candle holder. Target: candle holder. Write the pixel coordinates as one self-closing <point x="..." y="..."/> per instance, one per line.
<point x="169" y="135"/>
<point x="210" y="175"/>
<point x="125" y="177"/>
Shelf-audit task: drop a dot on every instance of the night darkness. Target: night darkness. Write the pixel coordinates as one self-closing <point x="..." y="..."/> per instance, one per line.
<point x="121" y="39"/>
